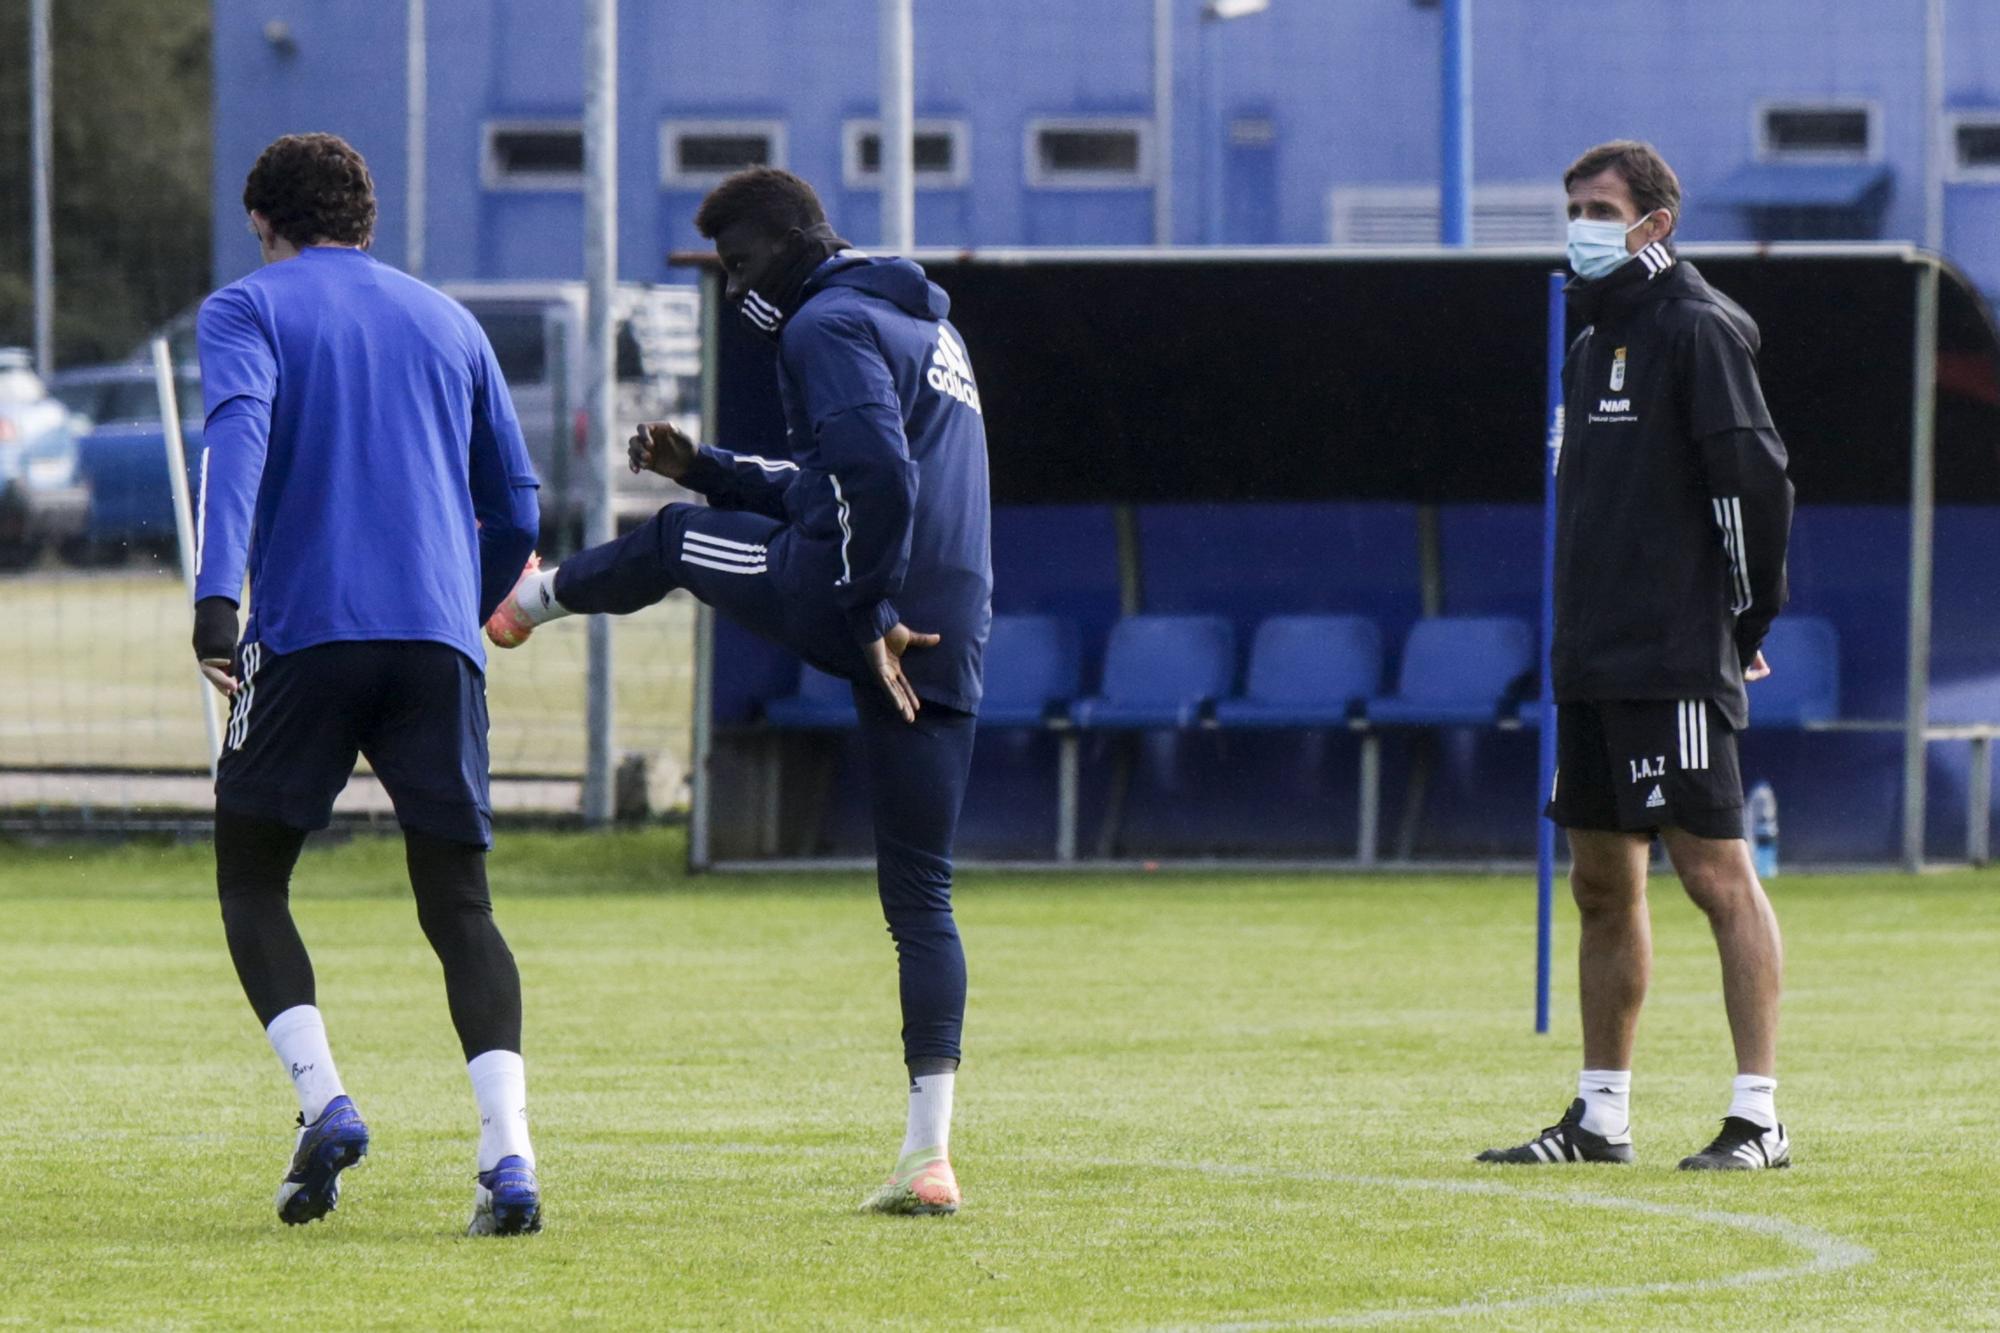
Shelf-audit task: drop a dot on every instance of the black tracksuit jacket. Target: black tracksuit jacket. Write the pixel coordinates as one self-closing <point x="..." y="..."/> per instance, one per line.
<point x="1673" y="507"/>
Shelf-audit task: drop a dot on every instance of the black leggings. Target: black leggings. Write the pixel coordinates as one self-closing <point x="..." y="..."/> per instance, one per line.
<point x="253" y="874"/>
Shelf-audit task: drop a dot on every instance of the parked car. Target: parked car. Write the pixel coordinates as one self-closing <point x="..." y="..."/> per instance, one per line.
<point x="536" y="329"/>
<point x="123" y="391"/>
<point x="122" y="456"/>
<point x="41" y="497"/>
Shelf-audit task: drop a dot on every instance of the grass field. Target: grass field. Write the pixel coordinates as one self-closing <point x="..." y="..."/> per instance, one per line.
<point x="1189" y="1101"/>
<point x="102" y="675"/>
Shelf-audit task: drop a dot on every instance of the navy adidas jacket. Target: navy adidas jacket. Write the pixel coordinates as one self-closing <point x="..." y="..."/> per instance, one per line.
<point x="886" y="482"/>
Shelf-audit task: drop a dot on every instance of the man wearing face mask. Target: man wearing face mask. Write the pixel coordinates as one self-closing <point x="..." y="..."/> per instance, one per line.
<point x="875" y="523"/>
<point x="1673" y="514"/>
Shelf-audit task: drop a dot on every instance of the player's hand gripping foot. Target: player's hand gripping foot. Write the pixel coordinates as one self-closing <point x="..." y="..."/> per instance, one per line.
<point x="509" y="626"/>
<point x="921" y="1184"/>
<point x="1565" y="1141"/>
<point x="1743" y="1145"/>
<point x="507" y="1201"/>
<point x="328" y="1146"/>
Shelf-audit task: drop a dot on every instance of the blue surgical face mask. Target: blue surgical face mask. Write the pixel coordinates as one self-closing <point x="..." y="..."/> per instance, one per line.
<point x="1598" y="248"/>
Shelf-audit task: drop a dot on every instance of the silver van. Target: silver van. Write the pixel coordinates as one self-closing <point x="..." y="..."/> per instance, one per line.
<point x="537" y="333"/>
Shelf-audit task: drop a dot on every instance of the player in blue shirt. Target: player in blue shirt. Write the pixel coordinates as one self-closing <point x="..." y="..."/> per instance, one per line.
<point x="362" y="461"/>
<point x="866" y="552"/>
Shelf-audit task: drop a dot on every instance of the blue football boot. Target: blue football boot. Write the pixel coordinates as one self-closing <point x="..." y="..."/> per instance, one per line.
<point x="507" y="1200"/>
<point x="328" y="1146"/>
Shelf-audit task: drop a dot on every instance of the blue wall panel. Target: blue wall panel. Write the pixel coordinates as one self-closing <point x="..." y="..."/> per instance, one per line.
<point x="1250" y="561"/>
<point x="1491" y="557"/>
<point x="1059" y="560"/>
<point x="1351" y="89"/>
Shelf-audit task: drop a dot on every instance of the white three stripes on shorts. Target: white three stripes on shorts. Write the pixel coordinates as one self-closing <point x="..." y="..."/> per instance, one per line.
<point x="1693" y="716"/>
<point x="246" y="694"/>
<point x="730" y="557"/>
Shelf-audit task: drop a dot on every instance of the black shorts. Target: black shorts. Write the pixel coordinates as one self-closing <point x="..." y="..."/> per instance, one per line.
<point x="416" y="709"/>
<point x="1637" y="765"/>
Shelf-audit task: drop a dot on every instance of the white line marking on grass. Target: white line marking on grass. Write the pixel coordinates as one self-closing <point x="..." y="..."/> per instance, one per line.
<point x="1827" y="1254"/>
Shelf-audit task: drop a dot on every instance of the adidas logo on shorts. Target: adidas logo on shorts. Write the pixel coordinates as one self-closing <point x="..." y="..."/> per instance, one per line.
<point x="1657" y="800"/>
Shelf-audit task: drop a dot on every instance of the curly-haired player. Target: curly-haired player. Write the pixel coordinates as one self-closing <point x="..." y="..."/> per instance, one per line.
<point x="362" y="460"/>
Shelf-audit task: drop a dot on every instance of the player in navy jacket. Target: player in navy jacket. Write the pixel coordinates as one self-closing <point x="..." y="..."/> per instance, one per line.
<point x="865" y="551"/>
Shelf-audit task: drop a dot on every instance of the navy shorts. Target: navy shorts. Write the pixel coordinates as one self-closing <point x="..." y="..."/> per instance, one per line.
<point x="1638" y="765"/>
<point x="417" y="710"/>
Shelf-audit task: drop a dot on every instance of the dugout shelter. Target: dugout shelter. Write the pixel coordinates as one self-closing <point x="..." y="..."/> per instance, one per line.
<point x="1267" y="539"/>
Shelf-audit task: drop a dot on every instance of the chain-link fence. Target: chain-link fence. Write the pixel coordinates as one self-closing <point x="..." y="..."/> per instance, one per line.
<point x="103" y="723"/>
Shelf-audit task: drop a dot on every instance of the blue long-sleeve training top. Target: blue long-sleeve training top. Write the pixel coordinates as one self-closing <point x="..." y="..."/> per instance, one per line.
<point x="361" y="458"/>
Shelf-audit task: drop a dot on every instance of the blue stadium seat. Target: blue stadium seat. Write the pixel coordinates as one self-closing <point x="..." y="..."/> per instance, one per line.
<point x="1160" y="671"/>
<point x="1458" y="671"/>
<point x="1307" y="671"/>
<point x="1804" y="684"/>
<point x="823" y="703"/>
<point x="1033" y="667"/>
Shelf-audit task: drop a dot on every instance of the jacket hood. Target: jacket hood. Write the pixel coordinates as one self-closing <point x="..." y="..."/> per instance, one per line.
<point x="898" y="281"/>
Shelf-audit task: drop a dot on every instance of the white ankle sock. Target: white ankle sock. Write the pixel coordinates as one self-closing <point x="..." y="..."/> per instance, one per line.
<point x="500" y="1087"/>
<point x="1754" y="1097"/>
<point x="537" y="596"/>
<point x="299" y="1037"/>
<point x="930" y="1113"/>
<point x="1607" y="1100"/>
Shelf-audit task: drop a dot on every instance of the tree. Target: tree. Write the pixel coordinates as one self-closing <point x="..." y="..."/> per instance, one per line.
<point x="133" y="90"/>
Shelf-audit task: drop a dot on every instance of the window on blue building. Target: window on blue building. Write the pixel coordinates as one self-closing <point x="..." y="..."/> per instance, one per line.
<point x="942" y="149"/>
<point x="1975" y="145"/>
<point x="1090" y="154"/>
<point x="534" y="155"/>
<point x="1817" y="173"/>
<point x="696" y="154"/>
<point x="1826" y="132"/>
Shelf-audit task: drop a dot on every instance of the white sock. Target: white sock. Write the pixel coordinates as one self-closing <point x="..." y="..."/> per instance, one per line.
<point x="299" y="1037"/>
<point x="1754" y="1097"/>
<point x="500" y="1086"/>
<point x="1607" y="1100"/>
<point x="930" y="1114"/>
<point x="537" y="596"/>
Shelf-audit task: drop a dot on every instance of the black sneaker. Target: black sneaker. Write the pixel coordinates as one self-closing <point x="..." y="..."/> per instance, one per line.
<point x="1743" y="1145"/>
<point x="1566" y="1141"/>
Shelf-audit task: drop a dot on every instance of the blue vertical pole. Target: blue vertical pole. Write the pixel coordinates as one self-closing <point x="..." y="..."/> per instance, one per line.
<point x="1545" y="830"/>
<point x="1455" y="130"/>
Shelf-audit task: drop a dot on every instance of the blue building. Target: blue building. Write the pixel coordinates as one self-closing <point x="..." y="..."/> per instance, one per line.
<point x="1314" y="121"/>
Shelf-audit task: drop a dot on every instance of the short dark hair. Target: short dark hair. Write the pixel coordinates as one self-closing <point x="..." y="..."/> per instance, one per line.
<point x="774" y="199"/>
<point x="313" y="187"/>
<point x="1645" y="173"/>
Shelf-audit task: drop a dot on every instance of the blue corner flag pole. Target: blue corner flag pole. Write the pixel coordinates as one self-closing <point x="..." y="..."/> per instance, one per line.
<point x="1545" y="831"/>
